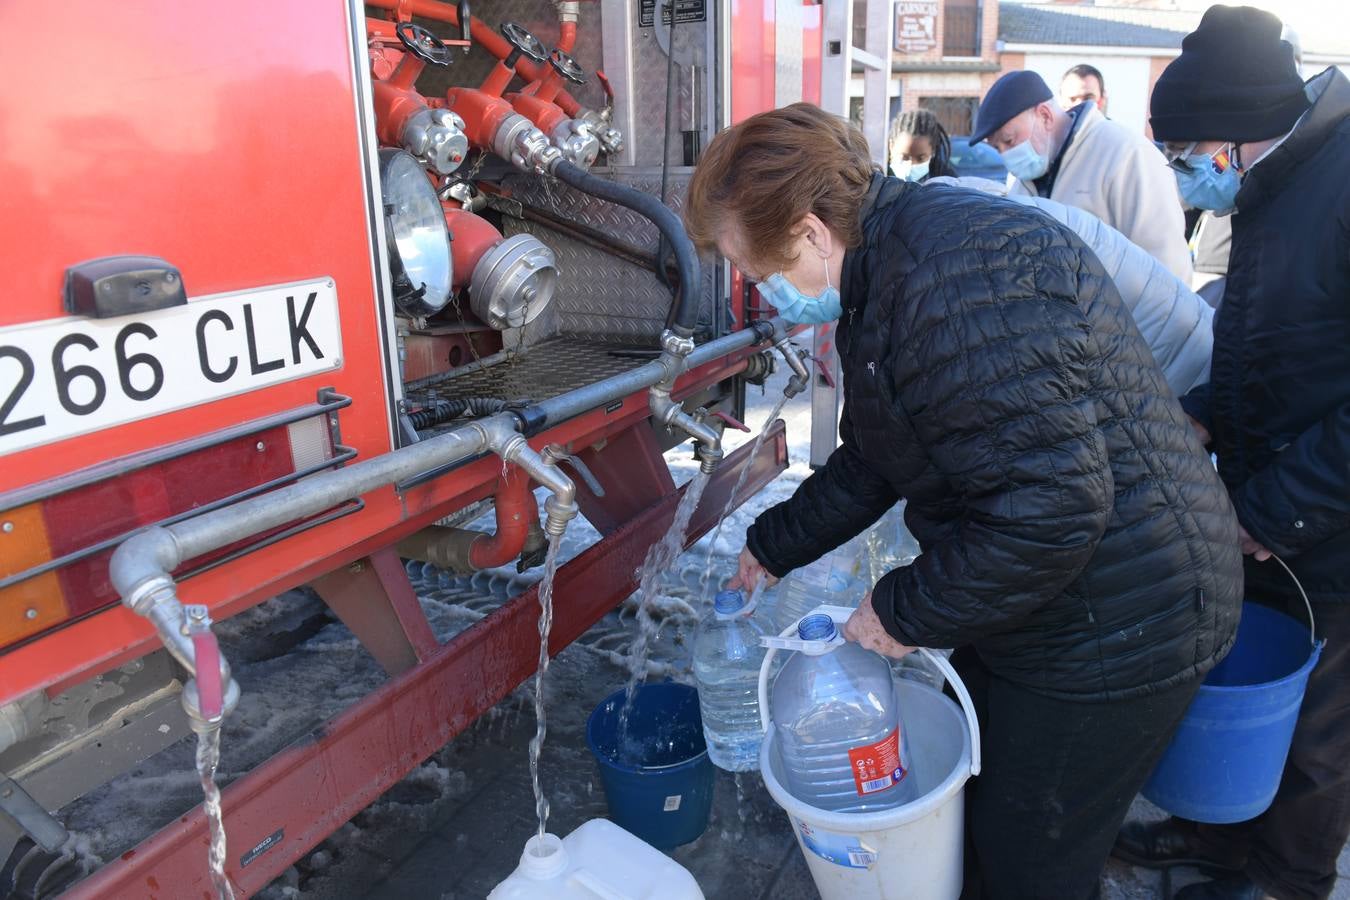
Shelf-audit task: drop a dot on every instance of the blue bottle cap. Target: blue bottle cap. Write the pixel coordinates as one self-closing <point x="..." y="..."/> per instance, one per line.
<point x="727" y="602"/>
<point x="818" y="627"/>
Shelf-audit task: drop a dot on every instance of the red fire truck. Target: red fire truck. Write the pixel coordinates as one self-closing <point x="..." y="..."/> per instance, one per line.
<point x="298" y="288"/>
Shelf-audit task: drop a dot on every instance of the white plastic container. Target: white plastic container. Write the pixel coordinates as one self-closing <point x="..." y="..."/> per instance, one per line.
<point x="598" y="861"/>
<point x="912" y="852"/>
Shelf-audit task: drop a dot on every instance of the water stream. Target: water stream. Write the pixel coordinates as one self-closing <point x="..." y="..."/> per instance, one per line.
<point x="660" y="558"/>
<point x="731" y="498"/>
<point x="541" y="720"/>
<point x="208" y="758"/>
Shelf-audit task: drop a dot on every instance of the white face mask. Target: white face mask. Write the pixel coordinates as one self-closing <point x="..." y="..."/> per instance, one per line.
<point x="1025" y="162"/>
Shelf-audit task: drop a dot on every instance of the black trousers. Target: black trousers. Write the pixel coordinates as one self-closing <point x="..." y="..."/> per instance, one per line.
<point x="1291" y="848"/>
<point x="1058" y="778"/>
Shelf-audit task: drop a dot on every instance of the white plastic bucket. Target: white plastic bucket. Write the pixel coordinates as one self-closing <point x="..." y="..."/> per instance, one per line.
<point x="913" y="851"/>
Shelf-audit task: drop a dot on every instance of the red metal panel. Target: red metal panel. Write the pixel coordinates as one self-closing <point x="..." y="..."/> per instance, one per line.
<point x="633" y="474"/>
<point x="812" y="35"/>
<point x="310" y="789"/>
<point x="753" y="44"/>
<point x="208" y="135"/>
<point x="374" y="598"/>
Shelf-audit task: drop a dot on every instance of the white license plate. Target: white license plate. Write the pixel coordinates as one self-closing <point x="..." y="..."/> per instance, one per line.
<point x="64" y="377"/>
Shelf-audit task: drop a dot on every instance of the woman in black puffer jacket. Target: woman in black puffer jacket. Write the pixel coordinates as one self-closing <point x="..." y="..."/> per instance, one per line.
<point x="1076" y="540"/>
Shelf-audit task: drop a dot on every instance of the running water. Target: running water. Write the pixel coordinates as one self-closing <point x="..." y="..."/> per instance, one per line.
<point x="208" y="757"/>
<point x="659" y="559"/>
<point x="735" y="491"/>
<point x="541" y="721"/>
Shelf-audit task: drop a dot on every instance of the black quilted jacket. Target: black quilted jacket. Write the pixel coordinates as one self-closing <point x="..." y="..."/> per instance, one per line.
<point x="1073" y="529"/>
<point x="1278" y="401"/>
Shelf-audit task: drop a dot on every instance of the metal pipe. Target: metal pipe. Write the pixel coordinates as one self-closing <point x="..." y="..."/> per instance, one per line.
<point x="796" y="360"/>
<point x="547" y="413"/>
<point x="141" y="567"/>
<point x="669" y="224"/>
<point x="445" y="548"/>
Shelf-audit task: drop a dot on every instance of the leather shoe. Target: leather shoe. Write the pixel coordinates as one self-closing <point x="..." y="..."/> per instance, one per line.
<point x="1171" y="842"/>
<point x="1234" y="887"/>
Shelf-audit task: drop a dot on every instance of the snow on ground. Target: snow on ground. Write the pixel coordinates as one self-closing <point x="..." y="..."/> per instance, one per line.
<point x="455" y="826"/>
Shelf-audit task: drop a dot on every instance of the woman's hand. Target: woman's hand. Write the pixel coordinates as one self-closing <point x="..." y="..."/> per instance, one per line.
<point x="1252" y="547"/>
<point x="865" y="628"/>
<point x="1200" y="431"/>
<point x="748" y="573"/>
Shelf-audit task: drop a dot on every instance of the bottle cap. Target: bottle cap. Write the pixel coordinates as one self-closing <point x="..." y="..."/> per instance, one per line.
<point x="816" y="627"/>
<point x="728" y="602"/>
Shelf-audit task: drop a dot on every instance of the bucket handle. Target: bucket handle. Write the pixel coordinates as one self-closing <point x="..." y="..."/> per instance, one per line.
<point x="1312" y="622"/>
<point x="840" y="615"/>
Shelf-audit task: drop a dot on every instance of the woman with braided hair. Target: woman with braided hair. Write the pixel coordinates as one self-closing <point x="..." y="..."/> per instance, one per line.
<point x="920" y="148"/>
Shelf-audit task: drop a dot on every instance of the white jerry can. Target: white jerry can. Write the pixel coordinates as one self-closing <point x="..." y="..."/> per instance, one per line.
<point x="598" y="861"/>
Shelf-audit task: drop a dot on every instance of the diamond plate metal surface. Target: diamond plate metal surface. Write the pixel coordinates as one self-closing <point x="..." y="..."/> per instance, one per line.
<point x="600" y="293"/>
<point x="649" y="94"/>
<point x="539" y="372"/>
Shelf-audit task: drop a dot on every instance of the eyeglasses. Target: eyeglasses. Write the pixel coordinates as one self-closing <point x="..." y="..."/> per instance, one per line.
<point x="1177" y="159"/>
<point x="1221" y="159"/>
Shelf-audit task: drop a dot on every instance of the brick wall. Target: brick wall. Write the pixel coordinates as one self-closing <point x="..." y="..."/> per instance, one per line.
<point x="1155" y="69"/>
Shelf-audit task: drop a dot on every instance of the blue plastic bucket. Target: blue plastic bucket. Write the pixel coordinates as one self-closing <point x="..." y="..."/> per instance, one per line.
<point x="1226" y="759"/>
<point x="659" y="783"/>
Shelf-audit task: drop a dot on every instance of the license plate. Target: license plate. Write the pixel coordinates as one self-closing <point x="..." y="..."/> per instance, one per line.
<point x="64" y="377"/>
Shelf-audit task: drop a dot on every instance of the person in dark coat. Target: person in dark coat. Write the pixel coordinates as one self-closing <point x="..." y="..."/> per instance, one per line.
<point x="1248" y="136"/>
<point x="1077" y="543"/>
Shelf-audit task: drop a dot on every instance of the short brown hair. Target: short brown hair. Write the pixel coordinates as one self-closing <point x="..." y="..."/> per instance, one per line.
<point x="769" y="171"/>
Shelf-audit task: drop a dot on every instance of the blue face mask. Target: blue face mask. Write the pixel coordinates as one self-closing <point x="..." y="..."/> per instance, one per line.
<point x="1025" y="162"/>
<point x="1210" y="181"/>
<point x="912" y="171"/>
<point x="798" y="308"/>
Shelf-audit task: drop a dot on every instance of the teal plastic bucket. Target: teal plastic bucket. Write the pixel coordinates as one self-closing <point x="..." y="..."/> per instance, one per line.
<point x="1226" y="759"/>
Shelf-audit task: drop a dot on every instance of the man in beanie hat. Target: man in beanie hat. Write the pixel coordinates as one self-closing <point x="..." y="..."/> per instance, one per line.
<point x="1248" y="138"/>
<point x="1081" y="158"/>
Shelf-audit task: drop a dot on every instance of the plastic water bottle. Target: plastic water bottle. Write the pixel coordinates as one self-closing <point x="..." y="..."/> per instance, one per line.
<point x="727" y="656"/>
<point x="840" y="738"/>
<point x="838" y="578"/>
<point x="889" y="544"/>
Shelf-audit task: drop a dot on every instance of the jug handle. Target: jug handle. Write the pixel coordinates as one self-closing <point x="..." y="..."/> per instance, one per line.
<point x="840" y="615"/>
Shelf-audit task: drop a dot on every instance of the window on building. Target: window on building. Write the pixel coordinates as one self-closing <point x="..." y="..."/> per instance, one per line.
<point x="957" y="114"/>
<point x="961" y="28"/>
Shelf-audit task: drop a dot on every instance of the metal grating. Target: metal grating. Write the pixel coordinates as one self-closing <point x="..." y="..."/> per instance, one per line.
<point x="538" y="372"/>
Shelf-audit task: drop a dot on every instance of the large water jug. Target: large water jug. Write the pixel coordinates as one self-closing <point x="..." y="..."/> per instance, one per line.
<point x="839" y="578"/>
<point x="598" y="860"/>
<point x="839" y="733"/>
<point x="727" y="656"/>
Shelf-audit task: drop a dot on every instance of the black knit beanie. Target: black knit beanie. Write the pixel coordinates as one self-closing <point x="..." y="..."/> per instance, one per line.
<point x="1235" y="80"/>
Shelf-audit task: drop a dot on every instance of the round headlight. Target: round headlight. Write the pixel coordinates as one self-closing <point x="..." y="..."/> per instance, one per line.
<point x="419" y="241"/>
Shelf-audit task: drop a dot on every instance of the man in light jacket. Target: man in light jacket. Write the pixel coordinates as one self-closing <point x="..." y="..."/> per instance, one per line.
<point x="1080" y="158"/>
<point x="1175" y="322"/>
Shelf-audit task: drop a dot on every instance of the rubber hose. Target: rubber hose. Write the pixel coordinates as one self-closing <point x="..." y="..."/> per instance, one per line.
<point x="670" y="226"/>
<point x="442" y="411"/>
